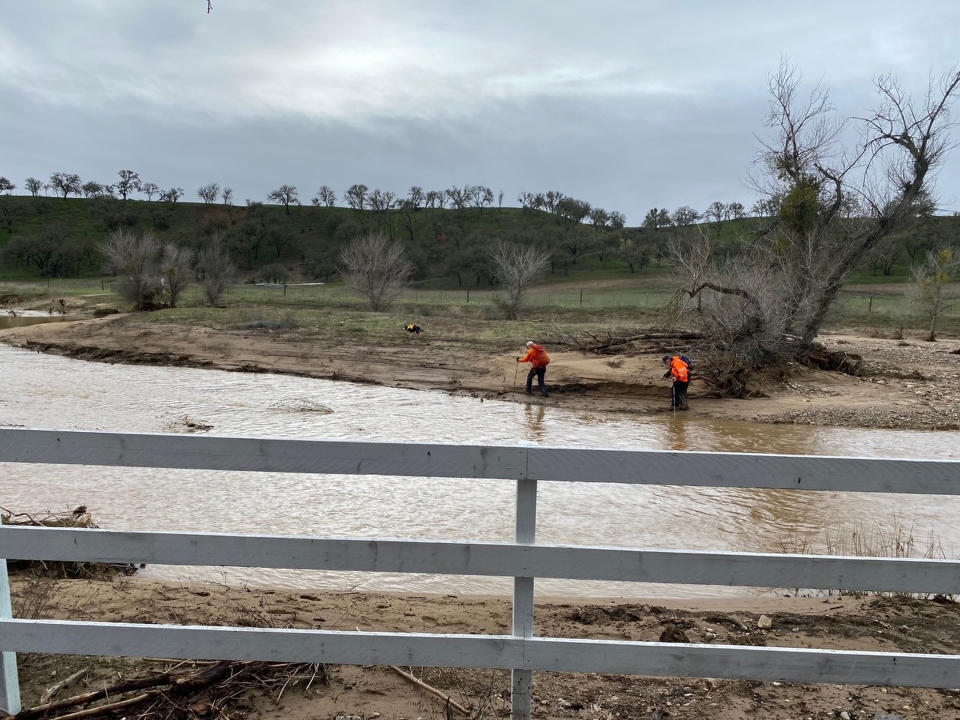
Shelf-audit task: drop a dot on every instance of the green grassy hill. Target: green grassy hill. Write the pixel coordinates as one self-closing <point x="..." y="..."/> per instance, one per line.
<point x="51" y="237"/>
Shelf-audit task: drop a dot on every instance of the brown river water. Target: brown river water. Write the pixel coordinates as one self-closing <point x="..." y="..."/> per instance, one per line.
<point x="47" y="391"/>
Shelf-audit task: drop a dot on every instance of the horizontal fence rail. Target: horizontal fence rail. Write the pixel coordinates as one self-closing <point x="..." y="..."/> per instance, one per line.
<point x="524" y="560"/>
<point x="483" y="651"/>
<point x="682" y="567"/>
<point x="651" y="467"/>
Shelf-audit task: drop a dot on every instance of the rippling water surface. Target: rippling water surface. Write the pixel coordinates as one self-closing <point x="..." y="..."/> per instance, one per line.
<point x="45" y="391"/>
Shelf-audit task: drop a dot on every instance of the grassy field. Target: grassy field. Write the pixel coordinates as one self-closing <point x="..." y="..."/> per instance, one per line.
<point x="579" y="303"/>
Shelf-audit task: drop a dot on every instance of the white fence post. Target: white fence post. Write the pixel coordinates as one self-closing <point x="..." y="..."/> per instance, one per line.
<point x="9" y="683"/>
<point x="522" y="680"/>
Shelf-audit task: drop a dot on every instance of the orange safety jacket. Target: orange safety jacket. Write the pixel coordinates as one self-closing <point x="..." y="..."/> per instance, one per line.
<point x="536" y="355"/>
<point x="679" y="369"/>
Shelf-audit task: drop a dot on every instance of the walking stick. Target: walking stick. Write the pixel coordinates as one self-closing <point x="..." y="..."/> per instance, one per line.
<point x="515" y="372"/>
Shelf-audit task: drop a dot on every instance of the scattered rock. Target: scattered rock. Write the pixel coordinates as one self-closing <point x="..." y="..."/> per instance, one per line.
<point x="673" y="633"/>
<point x="844" y="715"/>
<point x="764" y="623"/>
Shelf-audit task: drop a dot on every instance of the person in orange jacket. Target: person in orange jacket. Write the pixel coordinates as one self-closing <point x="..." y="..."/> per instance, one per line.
<point x="539" y="359"/>
<point x="678" y="366"/>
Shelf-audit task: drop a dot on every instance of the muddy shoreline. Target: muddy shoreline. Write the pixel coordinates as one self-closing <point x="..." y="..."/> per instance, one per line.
<point x="876" y="623"/>
<point x="908" y="384"/>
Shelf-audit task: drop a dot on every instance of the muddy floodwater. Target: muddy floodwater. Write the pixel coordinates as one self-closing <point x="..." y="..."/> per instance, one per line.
<point x="21" y="318"/>
<point x="46" y="391"/>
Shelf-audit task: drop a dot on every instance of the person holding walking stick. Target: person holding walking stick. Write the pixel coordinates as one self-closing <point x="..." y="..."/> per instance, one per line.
<point x="539" y="359"/>
<point x="678" y="367"/>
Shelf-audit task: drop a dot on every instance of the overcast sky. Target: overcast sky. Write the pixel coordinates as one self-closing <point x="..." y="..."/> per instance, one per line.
<point x="628" y="105"/>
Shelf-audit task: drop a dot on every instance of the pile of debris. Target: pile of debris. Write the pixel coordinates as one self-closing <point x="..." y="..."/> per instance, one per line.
<point x="77" y="518"/>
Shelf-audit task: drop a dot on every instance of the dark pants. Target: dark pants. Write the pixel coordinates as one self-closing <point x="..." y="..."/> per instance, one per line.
<point x="540" y="373"/>
<point x="678" y="395"/>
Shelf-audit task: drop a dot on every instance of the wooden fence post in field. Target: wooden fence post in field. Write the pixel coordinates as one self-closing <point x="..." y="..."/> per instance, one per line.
<point x="581" y="296"/>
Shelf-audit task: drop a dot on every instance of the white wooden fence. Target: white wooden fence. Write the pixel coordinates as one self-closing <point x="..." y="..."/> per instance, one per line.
<point x="521" y="652"/>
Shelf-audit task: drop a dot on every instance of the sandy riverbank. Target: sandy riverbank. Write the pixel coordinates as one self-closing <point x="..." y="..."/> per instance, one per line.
<point x="908" y="383"/>
<point x="873" y="623"/>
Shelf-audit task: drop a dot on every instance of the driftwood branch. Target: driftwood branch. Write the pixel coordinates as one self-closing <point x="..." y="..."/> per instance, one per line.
<point x="89" y="697"/>
<point x="109" y="708"/>
<point x="432" y="690"/>
<point x="66" y="682"/>
<point x="597" y="342"/>
<point x="161" y="693"/>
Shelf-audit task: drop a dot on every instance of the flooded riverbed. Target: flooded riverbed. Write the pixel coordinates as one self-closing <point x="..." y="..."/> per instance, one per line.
<point x="45" y="391"/>
<point x="22" y="318"/>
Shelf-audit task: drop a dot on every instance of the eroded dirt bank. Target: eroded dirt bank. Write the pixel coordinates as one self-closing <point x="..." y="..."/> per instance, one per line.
<point x="908" y="383"/>
<point x="872" y="623"/>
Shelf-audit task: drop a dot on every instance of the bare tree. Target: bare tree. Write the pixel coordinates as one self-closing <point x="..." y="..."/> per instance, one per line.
<point x="599" y="218"/>
<point x="175" y="268"/>
<point x="285" y="194"/>
<point x="551" y="199"/>
<point x="381" y="200"/>
<point x="685" y="215"/>
<point x="717" y="212"/>
<point x="458" y="196"/>
<point x="516" y="266"/>
<point x="150" y="189"/>
<point x="129" y="182"/>
<point x="356" y="196"/>
<point x="657" y="218"/>
<point x="930" y="291"/>
<point x="65" y="184"/>
<point x="526" y="200"/>
<point x="215" y="270"/>
<point x="635" y="253"/>
<point x="227" y="195"/>
<point x="208" y="193"/>
<point x="795" y="269"/>
<point x="416" y="197"/>
<point x="171" y="195"/>
<point x="480" y="195"/>
<point x="5" y="185"/>
<point x="134" y="259"/>
<point x="376" y="268"/>
<point x="33" y="186"/>
<point x="92" y="189"/>
<point x="326" y="197"/>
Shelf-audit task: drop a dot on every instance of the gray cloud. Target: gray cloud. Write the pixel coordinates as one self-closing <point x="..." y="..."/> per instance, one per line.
<point x="628" y="106"/>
